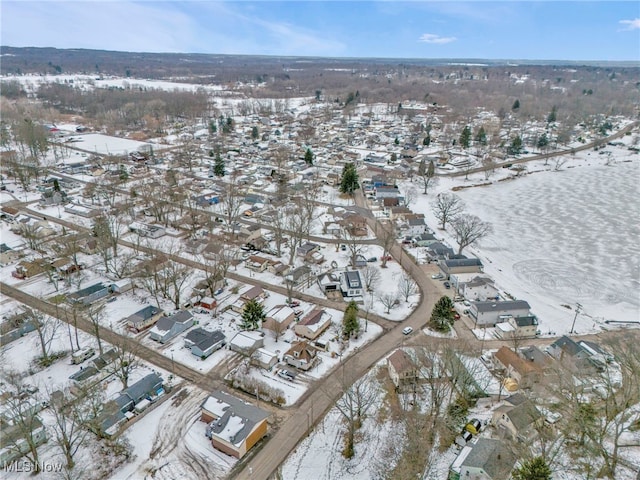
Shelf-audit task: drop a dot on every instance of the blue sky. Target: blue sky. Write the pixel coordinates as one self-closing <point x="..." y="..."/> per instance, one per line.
<point x="573" y="30"/>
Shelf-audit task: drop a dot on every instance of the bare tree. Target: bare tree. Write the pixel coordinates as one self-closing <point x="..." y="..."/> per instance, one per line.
<point x="388" y="300"/>
<point x="410" y="196"/>
<point x="354" y="404"/>
<point x="427" y="174"/>
<point x="96" y="314"/>
<point x="370" y="277"/>
<point x="469" y="229"/>
<point x="354" y="246"/>
<point x="126" y="359"/>
<point x="46" y="328"/>
<point x="447" y="207"/>
<point x="70" y="418"/>
<point x="388" y="239"/>
<point x="407" y="286"/>
<point x="26" y="431"/>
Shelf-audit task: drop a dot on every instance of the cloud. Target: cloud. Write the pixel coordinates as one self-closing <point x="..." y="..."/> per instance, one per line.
<point x="631" y="24"/>
<point x="437" y="39"/>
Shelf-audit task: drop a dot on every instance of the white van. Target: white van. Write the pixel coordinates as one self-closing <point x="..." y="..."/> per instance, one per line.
<point x="82" y="355"/>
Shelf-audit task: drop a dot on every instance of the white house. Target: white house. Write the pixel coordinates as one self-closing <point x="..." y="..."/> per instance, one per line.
<point x="350" y="283"/>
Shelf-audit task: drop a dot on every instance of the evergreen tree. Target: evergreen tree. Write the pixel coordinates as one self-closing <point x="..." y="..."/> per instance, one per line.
<point x="213" y="128"/>
<point x="349" y="181"/>
<point x="543" y="141"/>
<point x="533" y="469"/>
<point x="396" y="141"/>
<point x="350" y="322"/>
<point x="516" y="146"/>
<point x="308" y="157"/>
<point x="553" y="115"/>
<point x="427" y="140"/>
<point x="56" y="184"/>
<point x="442" y="315"/>
<point x="254" y="133"/>
<point x="218" y="166"/>
<point x="252" y="315"/>
<point x="465" y="137"/>
<point x="481" y="136"/>
<point x="394" y="157"/>
<point x="516" y="105"/>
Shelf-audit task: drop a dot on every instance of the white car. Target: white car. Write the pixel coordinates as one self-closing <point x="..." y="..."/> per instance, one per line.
<point x="407" y="330"/>
<point x="437" y="276"/>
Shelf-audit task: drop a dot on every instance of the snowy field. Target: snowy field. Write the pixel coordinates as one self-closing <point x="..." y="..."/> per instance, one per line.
<point x="559" y="237"/>
<point x="107" y="145"/>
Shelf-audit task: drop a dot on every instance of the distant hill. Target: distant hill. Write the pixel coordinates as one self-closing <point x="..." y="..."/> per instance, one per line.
<point x="226" y="67"/>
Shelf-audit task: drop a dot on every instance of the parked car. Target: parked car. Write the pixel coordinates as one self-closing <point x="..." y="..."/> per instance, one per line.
<point x="372" y="259"/>
<point x="386" y="258"/>
<point x="407" y="330"/>
<point x="343" y="247"/>
<point x="287" y="374"/>
<point x="437" y="276"/>
<point x="447" y="285"/>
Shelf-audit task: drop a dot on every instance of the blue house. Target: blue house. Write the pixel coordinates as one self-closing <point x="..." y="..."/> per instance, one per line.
<point x="203" y="343"/>
<point x="89" y="294"/>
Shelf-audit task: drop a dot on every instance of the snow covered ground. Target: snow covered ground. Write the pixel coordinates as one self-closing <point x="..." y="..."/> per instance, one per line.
<point x="560" y="237"/>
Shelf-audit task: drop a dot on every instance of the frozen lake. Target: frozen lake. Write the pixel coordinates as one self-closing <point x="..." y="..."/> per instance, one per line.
<point x="565" y="237"/>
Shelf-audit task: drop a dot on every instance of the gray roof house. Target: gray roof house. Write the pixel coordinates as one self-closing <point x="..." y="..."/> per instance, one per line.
<point x="203" y="343"/>
<point x="490" y="313"/>
<point x="144" y="318"/>
<point x="167" y="328"/>
<point x="148" y="386"/>
<point x="307" y="249"/>
<point x="350" y="283"/>
<point x="486" y="459"/>
<point x="89" y="294"/>
<point x="460" y="265"/>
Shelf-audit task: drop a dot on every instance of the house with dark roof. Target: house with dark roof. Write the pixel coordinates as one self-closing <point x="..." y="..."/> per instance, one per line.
<point x="487" y="314"/>
<point x="517" y="418"/>
<point x="301" y="355"/>
<point x="89" y="294"/>
<point x="306" y="249"/>
<point x="313" y="324"/>
<point x="438" y="251"/>
<point x="203" y="343"/>
<point x="452" y="266"/>
<point x="299" y="276"/>
<point x="518" y="327"/>
<point x="234" y="426"/>
<point x="424" y="240"/>
<point x="582" y="354"/>
<point x="167" y="328"/>
<point x="143" y="318"/>
<point x="486" y="459"/>
<point x="350" y="283"/>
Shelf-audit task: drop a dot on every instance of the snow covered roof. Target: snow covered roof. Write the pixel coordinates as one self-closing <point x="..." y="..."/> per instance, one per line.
<point x="235" y="419"/>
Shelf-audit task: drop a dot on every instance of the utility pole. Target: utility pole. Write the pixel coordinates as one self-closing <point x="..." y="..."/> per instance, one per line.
<point x="578" y="308"/>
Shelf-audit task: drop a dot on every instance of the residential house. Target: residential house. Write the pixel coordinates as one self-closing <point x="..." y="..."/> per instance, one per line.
<point x="143" y="318"/>
<point x="13" y="445"/>
<point x="438" y="251"/>
<point x="386" y="192"/>
<point x="399" y="213"/>
<point x="354" y="224"/>
<point x="452" y="266"/>
<point x="9" y="255"/>
<point x="89" y="294"/>
<point x="203" y="343"/>
<point x="414" y="226"/>
<point x="167" y="328"/>
<point x="402" y="369"/>
<point x="486" y="459"/>
<point x="28" y="269"/>
<point x="301" y="355"/>
<point x="487" y="314"/>
<point x="234" y="426"/>
<point x="306" y="249"/>
<point x="299" y="276"/>
<point x="523" y="372"/>
<point x="278" y="268"/>
<point x="85" y="211"/>
<point x="252" y="293"/>
<point x="246" y="342"/>
<point x="517" y="419"/>
<point x="313" y="324"/>
<point x="257" y="264"/>
<point x="518" y="327"/>
<point x="329" y="282"/>
<point x="209" y="303"/>
<point x="479" y="288"/>
<point x="536" y="357"/>
<point x="424" y="240"/>
<point x="15" y="326"/>
<point x="278" y="318"/>
<point x="582" y="354"/>
<point x="350" y="283"/>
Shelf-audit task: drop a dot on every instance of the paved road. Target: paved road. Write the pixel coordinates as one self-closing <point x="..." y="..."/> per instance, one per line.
<point x="544" y="156"/>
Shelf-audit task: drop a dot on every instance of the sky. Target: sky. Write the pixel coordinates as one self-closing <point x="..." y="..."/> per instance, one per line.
<point x="542" y="30"/>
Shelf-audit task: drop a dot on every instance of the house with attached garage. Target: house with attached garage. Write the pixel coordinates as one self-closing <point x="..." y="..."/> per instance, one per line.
<point x="472" y="286"/>
<point x="517" y="327"/>
<point x="233" y="426"/>
<point x="143" y="318"/>
<point x="169" y="327"/>
<point x="203" y="343"/>
<point x="313" y="324"/>
<point x="278" y="318"/>
<point x="350" y="283"/>
<point x="487" y="314"/>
